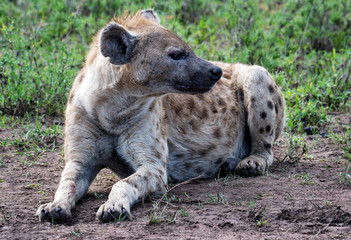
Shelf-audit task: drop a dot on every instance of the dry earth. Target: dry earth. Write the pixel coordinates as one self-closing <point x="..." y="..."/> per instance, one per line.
<point x="301" y="197"/>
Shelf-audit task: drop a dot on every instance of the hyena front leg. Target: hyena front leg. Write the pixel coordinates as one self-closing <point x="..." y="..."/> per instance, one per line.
<point x="148" y="158"/>
<point x="264" y="105"/>
<point x="82" y="165"/>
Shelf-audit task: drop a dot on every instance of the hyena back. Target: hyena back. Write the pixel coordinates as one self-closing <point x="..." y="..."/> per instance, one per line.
<point x="148" y="108"/>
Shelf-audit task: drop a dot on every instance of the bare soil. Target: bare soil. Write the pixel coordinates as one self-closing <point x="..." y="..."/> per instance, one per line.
<point x="301" y="197"/>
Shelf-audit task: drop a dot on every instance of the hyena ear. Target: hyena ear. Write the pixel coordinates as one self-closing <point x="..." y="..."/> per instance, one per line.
<point x="117" y="43"/>
<point x="151" y="15"/>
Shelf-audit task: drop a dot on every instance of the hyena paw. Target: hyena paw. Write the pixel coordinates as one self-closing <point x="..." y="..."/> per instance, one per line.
<point x="251" y="166"/>
<point x="111" y="211"/>
<point x="53" y="212"/>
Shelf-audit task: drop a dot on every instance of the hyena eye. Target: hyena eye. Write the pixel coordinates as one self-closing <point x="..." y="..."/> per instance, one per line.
<point x="178" y="55"/>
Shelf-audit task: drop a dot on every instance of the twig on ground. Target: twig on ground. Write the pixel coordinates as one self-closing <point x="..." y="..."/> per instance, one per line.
<point x="322" y="229"/>
<point x="177" y="185"/>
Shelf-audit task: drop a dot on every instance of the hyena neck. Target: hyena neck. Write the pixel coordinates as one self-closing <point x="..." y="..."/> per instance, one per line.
<point x="115" y="99"/>
<point x="120" y="78"/>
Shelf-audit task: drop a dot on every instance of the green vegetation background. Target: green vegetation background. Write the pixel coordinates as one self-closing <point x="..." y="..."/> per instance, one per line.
<point x="305" y="44"/>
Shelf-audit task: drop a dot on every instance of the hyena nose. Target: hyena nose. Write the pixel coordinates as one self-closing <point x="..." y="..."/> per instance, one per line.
<point x="216" y="73"/>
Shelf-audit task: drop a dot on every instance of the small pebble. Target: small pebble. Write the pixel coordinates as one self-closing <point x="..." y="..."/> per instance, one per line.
<point x="324" y="134"/>
<point x="311" y="130"/>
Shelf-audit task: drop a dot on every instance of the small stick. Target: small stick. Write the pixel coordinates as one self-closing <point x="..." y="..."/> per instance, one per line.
<point x="177" y="185"/>
<point x="324" y="227"/>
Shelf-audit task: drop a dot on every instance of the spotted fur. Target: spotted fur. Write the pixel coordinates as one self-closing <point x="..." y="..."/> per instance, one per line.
<point x="147" y="107"/>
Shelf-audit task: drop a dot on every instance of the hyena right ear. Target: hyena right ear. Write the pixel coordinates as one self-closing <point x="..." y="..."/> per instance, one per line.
<point x="117" y="43"/>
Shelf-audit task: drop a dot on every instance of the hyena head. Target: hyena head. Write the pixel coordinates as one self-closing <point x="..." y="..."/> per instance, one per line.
<point x="159" y="59"/>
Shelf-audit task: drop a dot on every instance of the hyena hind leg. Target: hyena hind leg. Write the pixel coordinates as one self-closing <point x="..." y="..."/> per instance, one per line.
<point x="264" y="104"/>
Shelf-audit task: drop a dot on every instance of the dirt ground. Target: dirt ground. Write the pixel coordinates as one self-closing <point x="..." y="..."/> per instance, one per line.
<point x="301" y="197"/>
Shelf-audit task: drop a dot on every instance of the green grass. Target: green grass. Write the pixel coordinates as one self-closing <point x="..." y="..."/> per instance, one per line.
<point x="344" y="140"/>
<point x="33" y="135"/>
<point x="306" y="45"/>
<point x="218" y="198"/>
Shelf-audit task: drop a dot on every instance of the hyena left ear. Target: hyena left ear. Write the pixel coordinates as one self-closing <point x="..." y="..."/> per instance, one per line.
<point x="151" y="15"/>
<point x="117" y="43"/>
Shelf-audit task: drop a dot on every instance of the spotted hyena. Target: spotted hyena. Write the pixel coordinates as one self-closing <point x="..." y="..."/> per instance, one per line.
<point x="148" y="108"/>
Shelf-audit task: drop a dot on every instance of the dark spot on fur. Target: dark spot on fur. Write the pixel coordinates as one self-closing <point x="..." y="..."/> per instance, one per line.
<point x="152" y="161"/>
<point x="199" y="170"/>
<point x="203" y="152"/>
<point x="217" y="133"/>
<point x="203" y="114"/>
<point x="270" y="104"/>
<point x="229" y="144"/>
<point x="152" y="106"/>
<point x="280" y="101"/>
<point x="226" y="75"/>
<point x="232" y="86"/>
<point x="212" y="147"/>
<point x="268" y="128"/>
<point x="219" y="83"/>
<point x="241" y="94"/>
<point x="263" y="115"/>
<point x="219" y="161"/>
<point x="70" y="98"/>
<point x="191" y="104"/>
<point x="171" y="144"/>
<point x="157" y="154"/>
<point x="200" y="96"/>
<point x="132" y="183"/>
<point x="276" y="109"/>
<point x="182" y="130"/>
<point x="234" y="111"/>
<point x="101" y="99"/>
<point x="187" y="165"/>
<point x="177" y="108"/>
<point x="224" y="109"/>
<point x="179" y="155"/>
<point x="261" y="130"/>
<point x="81" y="77"/>
<point x="253" y="99"/>
<point x="221" y="102"/>
<point x="214" y="109"/>
<point x="160" y="172"/>
<point x="193" y="125"/>
<point x="271" y="89"/>
<point x="260" y="78"/>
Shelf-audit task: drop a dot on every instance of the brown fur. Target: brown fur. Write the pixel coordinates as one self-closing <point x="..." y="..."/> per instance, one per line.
<point x="147" y="107"/>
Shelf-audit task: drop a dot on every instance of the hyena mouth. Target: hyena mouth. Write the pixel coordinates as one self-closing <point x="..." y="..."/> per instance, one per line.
<point x="187" y="88"/>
